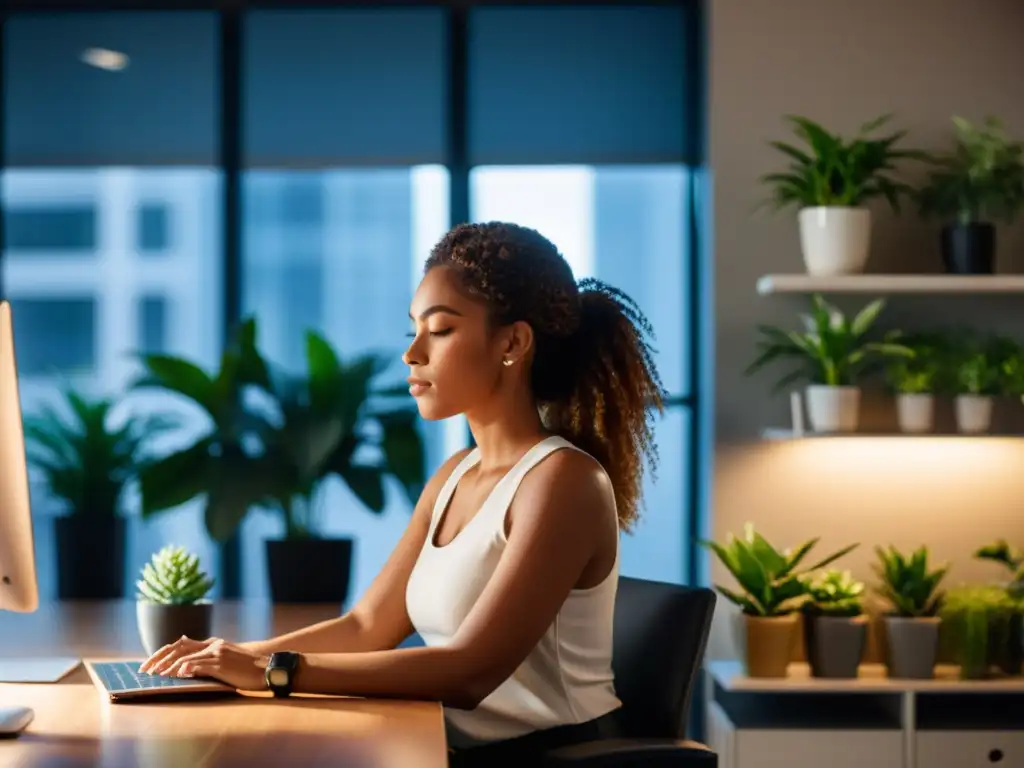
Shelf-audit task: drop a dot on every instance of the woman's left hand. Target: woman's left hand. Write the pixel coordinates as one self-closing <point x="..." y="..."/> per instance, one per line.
<point x="215" y="658"/>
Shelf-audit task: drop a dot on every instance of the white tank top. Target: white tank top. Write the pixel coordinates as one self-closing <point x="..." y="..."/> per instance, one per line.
<point x="567" y="677"/>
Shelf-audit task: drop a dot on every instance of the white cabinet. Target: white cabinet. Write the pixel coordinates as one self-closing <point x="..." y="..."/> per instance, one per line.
<point x="970" y="749"/>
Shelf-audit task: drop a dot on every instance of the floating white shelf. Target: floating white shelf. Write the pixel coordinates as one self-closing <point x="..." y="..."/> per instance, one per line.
<point x="880" y="284"/>
<point x="776" y="434"/>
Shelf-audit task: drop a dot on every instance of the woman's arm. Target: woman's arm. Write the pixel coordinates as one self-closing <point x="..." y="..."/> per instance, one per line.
<point x="558" y="515"/>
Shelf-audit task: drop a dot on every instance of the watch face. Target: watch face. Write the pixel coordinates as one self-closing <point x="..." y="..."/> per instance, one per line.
<point x="278" y="677"/>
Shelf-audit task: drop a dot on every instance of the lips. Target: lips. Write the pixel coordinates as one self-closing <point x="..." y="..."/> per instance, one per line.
<point x="417" y="386"/>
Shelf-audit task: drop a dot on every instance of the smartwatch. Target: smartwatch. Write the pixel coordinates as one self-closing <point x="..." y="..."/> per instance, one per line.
<point x="280" y="673"/>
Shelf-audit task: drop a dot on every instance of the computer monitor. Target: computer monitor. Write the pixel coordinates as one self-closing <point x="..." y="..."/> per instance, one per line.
<point x="19" y="588"/>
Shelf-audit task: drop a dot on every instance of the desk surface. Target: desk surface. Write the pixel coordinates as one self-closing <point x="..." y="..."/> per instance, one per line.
<point x="75" y="725"/>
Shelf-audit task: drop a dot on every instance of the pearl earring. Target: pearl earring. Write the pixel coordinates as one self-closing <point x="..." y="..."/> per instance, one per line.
<point x="506" y="362"/>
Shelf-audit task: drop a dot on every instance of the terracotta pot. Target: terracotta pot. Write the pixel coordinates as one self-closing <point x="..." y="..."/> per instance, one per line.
<point x="766" y="643"/>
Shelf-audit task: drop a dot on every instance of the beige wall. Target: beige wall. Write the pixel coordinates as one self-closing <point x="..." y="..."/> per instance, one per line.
<point x="842" y="62"/>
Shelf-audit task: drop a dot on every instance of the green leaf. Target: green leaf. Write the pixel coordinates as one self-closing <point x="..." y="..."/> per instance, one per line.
<point x="177" y="478"/>
<point x="179" y="376"/>
<point x="367" y="483"/>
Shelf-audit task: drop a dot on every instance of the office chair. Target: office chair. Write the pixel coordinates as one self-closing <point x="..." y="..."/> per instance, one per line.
<point x="661" y="631"/>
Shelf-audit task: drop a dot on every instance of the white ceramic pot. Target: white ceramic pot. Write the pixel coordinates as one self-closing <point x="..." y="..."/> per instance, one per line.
<point x="915" y="412"/>
<point x="835" y="240"/>
<point x="833" y="409"/>
<point x="973" y="413"/>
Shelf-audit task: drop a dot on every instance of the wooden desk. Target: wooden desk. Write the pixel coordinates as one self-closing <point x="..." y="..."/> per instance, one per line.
<point x="76" y="726"/>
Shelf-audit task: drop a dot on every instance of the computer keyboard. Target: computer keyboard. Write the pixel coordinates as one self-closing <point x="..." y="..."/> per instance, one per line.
<point x="125" y="676"/>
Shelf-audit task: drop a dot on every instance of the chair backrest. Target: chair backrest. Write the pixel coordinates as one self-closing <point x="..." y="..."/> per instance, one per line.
<point x="661" y="631"/>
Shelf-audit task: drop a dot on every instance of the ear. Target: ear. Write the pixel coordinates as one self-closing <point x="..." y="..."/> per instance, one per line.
<point x="517" y="343"/>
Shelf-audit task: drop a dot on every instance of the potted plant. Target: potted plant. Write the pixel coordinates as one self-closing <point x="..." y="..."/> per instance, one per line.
<point x="771" y="587"/>
<point x="979" y="181"/>
<point x="830" y="181"/>
<point x="913" y="378"/>
<point x="88" y="458"/>
<point x="835" y="627"/>
<point x="331" y="422"/>
<point x="274" y="449"/>
<point x="978" y="381"/>
<point x="977" y="628"/>
<point x="1008" y="647"/>
<point x="912" y="625"/>
<point x="830" y="354"/>
<point x="172" y="600"/>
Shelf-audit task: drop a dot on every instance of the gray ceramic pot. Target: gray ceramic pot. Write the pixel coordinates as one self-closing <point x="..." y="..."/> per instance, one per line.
<point x="835" y="644"/>
<point x="912" y="646"/>
<point x="162" y="624"/>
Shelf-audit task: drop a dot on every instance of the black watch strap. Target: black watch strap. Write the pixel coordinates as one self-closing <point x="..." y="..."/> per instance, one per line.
<point x="280" y="673"/>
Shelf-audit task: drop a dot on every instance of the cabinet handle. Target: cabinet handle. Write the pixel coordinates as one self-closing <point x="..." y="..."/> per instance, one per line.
<point x="995" y="756"/>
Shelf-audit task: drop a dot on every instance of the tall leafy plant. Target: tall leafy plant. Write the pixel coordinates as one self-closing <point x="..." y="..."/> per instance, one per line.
<point x="86" y="457"/>
<point x="828" y="169"/>
<point x="907" y="582"/>
<point x="335" y="420"/>
<point x="980" y="180"/>
<point x="772" y="581"/>
<point x="833" y="349"/>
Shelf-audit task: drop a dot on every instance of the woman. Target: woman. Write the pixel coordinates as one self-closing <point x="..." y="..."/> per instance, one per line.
<point x="508" y="568"/>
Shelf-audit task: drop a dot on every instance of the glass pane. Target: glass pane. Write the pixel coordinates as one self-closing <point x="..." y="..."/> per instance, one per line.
<point x="79" y="320"/>
<point x="340" y="251"/>
<point x="624" y="225"/>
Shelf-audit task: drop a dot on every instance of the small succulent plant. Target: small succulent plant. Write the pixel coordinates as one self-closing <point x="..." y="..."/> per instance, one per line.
<point x="834" y="592"/>
<point x="908" y="583"/>
<point x="173" y="577"/>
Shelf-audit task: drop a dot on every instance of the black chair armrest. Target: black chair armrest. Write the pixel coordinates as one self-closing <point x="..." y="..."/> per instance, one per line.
<point x="642" y="753"/>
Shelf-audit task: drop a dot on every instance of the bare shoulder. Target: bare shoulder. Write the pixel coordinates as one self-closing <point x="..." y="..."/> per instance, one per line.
<point x="569" y="481"/>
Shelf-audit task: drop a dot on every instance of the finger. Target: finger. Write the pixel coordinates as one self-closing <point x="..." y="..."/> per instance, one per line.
<point x="175" y="666"/>
<point x="177" y="649"/>
<point x="160" y="654"/>
<point x="201" y="668"/>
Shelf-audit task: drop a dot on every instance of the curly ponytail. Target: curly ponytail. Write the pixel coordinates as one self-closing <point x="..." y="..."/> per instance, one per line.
<point x="593" y="373"/>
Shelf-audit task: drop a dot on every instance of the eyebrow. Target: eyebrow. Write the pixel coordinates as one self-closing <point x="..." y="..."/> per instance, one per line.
<point x="436" y="309"/>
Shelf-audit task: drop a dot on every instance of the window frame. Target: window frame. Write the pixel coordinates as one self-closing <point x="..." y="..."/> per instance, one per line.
<point x="230" y="162"/>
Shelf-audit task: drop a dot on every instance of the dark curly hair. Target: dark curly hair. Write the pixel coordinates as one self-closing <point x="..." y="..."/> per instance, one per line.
<point x="593" y="373"/>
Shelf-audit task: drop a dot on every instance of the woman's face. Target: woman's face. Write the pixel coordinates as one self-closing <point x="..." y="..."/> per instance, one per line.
<point x="455" y="359"/>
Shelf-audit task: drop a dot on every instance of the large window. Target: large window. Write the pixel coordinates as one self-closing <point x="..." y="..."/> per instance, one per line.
<point x="166" y="173"/>
<point x="104" y="166"/>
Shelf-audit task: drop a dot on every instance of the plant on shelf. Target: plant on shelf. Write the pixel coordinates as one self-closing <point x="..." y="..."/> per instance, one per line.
<point x="333" y="421"/>
<point x="835" y="628"/>
<point x="977" y="182"/>
<point x="771" y="587"/>
<point x="978" y="379"/>
<point x="1010" y="558"/>
<point x="912" y="626"/>
<point x="1009" y="650"/>
<point x="981" y="630"/>
<point x="915" y="379"/>
<point x="831" y="354"/>
<point x="87" y="459"/>
<point x="172" y="590"/>
<point x="830" y="180"/>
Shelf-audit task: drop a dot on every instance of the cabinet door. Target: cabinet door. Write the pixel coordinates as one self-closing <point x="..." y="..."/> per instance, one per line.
<point x="818" y="749"/>
<point x="970" y="749"/>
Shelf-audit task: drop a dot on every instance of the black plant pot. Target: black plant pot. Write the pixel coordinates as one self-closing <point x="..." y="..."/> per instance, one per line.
<point x="969" y="249"/>
<point x="309" y="570"/>
<point x="90" y="557"/>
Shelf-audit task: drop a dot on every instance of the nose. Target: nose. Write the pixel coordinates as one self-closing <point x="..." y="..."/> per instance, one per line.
<point x="414" y="354"/>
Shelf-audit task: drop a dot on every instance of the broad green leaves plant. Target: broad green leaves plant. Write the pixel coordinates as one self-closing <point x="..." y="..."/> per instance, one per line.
<point x="833" y="350"/>
<point x="173" y="577"/>
<point x="980" y="179"/>
<point x="770" y="580"/>
<point x="274" y="447"/>
<point x="830" y="170"/>
<point x="1011" y="558"/>
<point x="923" y="371"/>
<point x="86" y="459"/>
<point x="834" y="593"/>
<point x="907" y="583"/>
